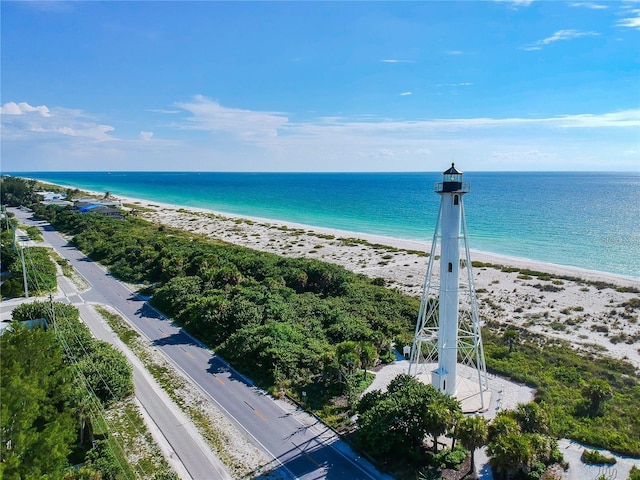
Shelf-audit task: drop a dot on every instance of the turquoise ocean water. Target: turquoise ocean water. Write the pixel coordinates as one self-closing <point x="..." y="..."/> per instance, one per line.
<point x="588" y="219"/>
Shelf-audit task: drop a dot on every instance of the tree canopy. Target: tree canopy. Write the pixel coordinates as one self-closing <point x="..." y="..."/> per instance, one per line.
<point x="394" y="425"/>
<point x="37" y="424"/>
<point x="53" y="380"/>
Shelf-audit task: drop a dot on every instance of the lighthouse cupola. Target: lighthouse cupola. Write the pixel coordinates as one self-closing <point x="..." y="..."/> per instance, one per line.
<point x="451" y="182"/>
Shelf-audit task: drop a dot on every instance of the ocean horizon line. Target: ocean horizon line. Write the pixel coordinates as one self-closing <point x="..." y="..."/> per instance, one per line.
<point x="314" y="172"/>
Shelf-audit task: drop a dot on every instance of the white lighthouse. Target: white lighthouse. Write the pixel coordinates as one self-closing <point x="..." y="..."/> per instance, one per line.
<point x="447" y="346"/>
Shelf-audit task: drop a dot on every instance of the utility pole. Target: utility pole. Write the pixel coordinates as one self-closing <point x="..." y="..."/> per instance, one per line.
<point x="24" y="273"/>
<point x="15" y="248"/>
<point x="53" y="313"/>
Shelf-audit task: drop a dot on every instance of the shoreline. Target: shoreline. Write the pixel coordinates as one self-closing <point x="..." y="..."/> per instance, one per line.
<point x="410" y="244"/>
<point x="591" y="310"/>
<point x="398" y="242"/>
<point x="585" y="308"/>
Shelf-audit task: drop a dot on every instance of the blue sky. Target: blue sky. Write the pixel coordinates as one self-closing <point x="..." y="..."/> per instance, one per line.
<point x="320" y="86"/>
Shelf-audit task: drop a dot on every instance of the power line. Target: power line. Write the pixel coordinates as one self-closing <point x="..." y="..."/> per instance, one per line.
<point x="92" y="396"/>
<point x="89" y="360"/>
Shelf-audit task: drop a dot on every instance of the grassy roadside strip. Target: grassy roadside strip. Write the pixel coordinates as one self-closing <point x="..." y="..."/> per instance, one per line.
<point x="190" y="401"/>
<point x="134" y="449"/>
<point x="67" y="270"/>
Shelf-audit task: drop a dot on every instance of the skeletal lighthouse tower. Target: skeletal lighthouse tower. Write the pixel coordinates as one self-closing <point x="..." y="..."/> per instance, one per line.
<point x="447" y="332"/>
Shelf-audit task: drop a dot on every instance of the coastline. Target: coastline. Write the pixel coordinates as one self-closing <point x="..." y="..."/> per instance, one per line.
<point x="405" y="244"/>
<point x="586" y="308"/>
<point x="583" y="307"/>
<point x="601" y="240"/>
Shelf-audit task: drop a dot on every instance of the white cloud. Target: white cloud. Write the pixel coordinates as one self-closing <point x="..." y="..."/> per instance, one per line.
<point x="631" y="22"/>
<point x="405" y="94"/>
<point x="209" y="115"/>
<point x="454" y="52"/>
<point x="12" y="108"/>
<point x="625" y="118"/>
<point x="381" y="153"/>
<point x="21" y="120"/>
<point x="394" y="60"/>
<point x="345" y="127"/>
<point x="163" y="110"/>
<point x="566" y="35"/>
<point x="560" y="35"/>
<point x="532" y="155"/>
<point x="266" y="141"/>
<point x="516" y="3"/>
<point x="591" y="5"/>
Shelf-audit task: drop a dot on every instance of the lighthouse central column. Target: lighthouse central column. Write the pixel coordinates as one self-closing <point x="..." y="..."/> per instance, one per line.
<point x="449" y="287"/>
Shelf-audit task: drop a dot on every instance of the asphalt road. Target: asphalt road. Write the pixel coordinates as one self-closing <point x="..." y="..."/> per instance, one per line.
<point x="184" y="447"/>
<point x="301" y="448"/>
<point x="195" y="459"/>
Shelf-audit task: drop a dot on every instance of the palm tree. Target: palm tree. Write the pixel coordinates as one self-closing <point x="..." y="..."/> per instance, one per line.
<point x="510" y="337"/>
<point x="472" y="433"/>
<point x="439" y="418"/>
<point x="510" y="453"/>
<point x="368" y="356"/>
<point x="597" y="392"/>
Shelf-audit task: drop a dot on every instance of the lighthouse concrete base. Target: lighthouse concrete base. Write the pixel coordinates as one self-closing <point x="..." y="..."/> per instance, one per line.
<point x="472" y="399"/>
<point x="506" y="394"/>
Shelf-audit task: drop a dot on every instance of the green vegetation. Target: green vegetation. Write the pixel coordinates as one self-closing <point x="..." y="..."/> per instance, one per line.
<point x="8" y="253"/>
<point x="67" y="269"/>
<point x="41" y="273"/>
<point x="281" y="321"/>
<point x="34" y="233"/>
<point x="16" y="191"/>
<point x="525" y="274"/>
<point x="593" y="457"/>
<point x="472" y="432"/>
<point x="38" y="430"/>
<point x="60" y="390"/>
<point x="104" y="370"/>
<point x="519" y="444"/>
<point x="591" y="399"/>
<point x="352" y="242"/>
<point x="393" y="424"/>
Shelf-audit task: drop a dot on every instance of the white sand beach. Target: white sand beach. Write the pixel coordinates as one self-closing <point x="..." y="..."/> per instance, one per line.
<point x="590" y="318"/>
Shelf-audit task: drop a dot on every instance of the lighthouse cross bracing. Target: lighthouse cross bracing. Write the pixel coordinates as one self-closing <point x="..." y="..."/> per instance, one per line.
<point x="447" y="347"/>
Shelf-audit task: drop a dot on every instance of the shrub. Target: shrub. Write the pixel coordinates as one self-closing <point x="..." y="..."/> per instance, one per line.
<point x="450" y="458"/>
<point x="593" y="457"/>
